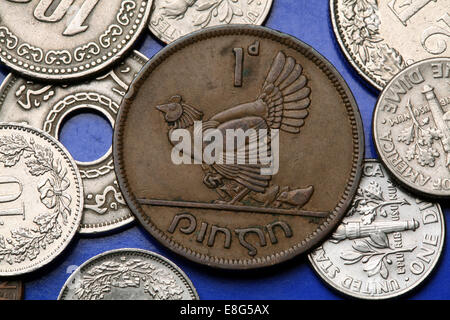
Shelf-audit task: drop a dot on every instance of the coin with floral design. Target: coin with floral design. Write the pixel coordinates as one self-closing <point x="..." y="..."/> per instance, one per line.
<point x="172" y="19"/>
<point x="128" y="274"/>
<point x="41" y="199"/>
<point x="411" y="127"/>
<point x="381" y="38"/>
<point x="388" y="243"/>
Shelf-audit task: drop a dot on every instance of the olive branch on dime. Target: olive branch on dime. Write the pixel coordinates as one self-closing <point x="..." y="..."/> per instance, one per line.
<point x="158" y="283"/>
<point x="26" y="243"/>
<point x="224" y="9"/>
<point x="371" y="254"/>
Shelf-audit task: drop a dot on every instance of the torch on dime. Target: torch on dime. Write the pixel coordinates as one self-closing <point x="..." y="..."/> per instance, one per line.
<point x="411" y="127"/>
<point x="387" y="244"/>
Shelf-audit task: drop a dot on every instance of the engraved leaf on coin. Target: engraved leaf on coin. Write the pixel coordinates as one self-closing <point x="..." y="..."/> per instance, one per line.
<point x="224" y="10"/>
<point x="420" y="139"/>
<point x="373" y="254"/>
<point x="157" y="282"/>
<point x="26" y="243"/>
<point x="361" y="25"/>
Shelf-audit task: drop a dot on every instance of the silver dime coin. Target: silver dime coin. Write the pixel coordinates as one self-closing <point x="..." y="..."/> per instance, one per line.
<point x="68" y="39"/>
<point x="46" y="107"/>
<point x="380" y="38"/>
<point x="172" y="19"/>
<point x="411" y="127"/>
<point x="387" y="244"/>
<point x="128" y="274"/>
<point x="41" y="199"/>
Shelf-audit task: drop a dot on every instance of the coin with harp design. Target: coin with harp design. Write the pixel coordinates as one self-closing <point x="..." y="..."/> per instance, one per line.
<point x="246" y="201"/>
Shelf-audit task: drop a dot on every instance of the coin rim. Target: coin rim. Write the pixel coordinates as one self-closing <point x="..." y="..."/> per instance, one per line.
<point x="92" y="71"/>
<point x="335" y="79"/>
<point x="360" y="69"/>
<point x="80" y="202"/>
<point x="264" y="16"/>
<point x="146" y="253"/>
<point x="408" y="289"/>
<point x="409" y="186"/>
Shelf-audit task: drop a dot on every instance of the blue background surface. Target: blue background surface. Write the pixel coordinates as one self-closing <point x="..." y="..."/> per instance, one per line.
<point x="309" y="21"/>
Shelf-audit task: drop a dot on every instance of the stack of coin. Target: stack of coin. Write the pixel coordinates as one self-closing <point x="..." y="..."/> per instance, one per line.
<point x="294" y="179"/>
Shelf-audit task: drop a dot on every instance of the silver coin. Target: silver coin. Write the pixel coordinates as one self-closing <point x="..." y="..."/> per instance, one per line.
<point x="411" y="127"/>
<point x="387" y="244"/>
<point x="380" y="38"/>
<point x="68" y="39"/>
<point x="172" y="19"/>
<point x="41" y="199"/>
<point x="46" y="107"/>
<point x="128" y="274"/>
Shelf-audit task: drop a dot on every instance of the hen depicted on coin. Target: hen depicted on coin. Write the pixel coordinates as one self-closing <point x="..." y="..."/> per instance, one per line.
<point x="411" y="127"/>
<point x="381" y="38"/>
<point x="172" y="19"/>
<point x="68" y="39"/>
<point x="47" y="107"/>
<point x="128" y="274"/>
<point x="387" y="244"/>
<point x="244" y="157"/>
<point x="41" y="199"/>
<point x="11" y="290"/>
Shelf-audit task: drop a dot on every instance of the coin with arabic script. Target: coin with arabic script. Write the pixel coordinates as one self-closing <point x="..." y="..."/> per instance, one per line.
<point x="48" y="107"/>
<point x="41" y="199"/>
<point x="68" y="39"/>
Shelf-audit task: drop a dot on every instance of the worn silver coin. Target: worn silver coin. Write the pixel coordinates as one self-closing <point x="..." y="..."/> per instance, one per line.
<point x="46" y="107"/>
<point x="411" y="127"/>
<point x="41" y="199"/>
<point x="128" y="274"/>
<point x="68" y="39"/>
<point x="387" y="244"/>
<point x="172" y="19"/>
<point x="381" y="38"/>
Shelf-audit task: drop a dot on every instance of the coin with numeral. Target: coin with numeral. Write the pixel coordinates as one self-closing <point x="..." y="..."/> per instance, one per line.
<point x="411" y="127"/>
<point x="381" y="38"/>
<point x="68" y="39"/>
<point x="388" y="243"/>
<point x="128" y="274"/>
<point x="172" y="19"/>
<point x="41" y="199"/>
<point x="11" y="290"/>
<point x="228" y="159"/>
<point x="47" y="107"/>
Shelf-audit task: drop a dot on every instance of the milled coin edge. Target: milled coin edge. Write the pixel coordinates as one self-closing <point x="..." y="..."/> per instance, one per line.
<point x="132" y="251"/>
<point x="408" y="186"/>
<point x="336" y="80"/>
<point x="325" y="279"/>
<point x="80" y="201"/>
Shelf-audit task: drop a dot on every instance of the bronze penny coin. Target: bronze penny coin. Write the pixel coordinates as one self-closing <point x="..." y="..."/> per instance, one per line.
<point x="227" y="82"/>
<point x="11" y="290"/>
